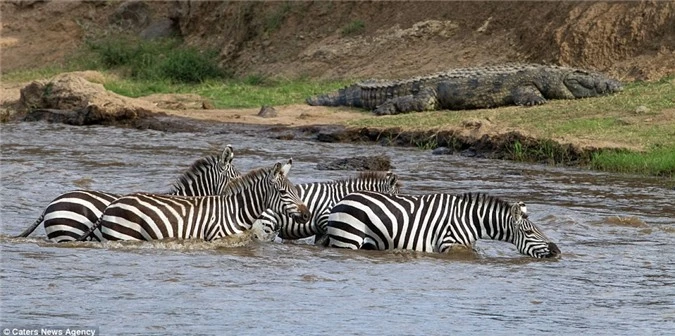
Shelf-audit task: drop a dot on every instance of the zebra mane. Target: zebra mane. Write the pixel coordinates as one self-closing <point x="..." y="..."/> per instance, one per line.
<point x="482" y="198"/>
<point x="368" y="175"/>
<point x="194" y="170"/>
<point x="241" y="183"/>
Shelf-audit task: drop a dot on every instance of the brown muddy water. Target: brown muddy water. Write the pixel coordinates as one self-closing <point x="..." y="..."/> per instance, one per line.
<point x="616" y="233"/>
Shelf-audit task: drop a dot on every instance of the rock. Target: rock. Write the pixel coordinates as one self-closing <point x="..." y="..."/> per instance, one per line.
<point x="267" y="112"/>
<point x="484" y="27"/>
<point x="287" y="136"/>
<point x="7" y="114"/>
<point x="71" y="99"/>
<point x="207" y="105"/>
<point x="379" y="162"/>
<point x="470" y="152"/>
<point x="472" y="124"/>
<point x="160" y="29"/>
<point x="641" y="109"/>
<point x="131" y="15"/>
<point x="442" y="151"/>
<point x="70" y="117"/>
<point x="329" y="137"/>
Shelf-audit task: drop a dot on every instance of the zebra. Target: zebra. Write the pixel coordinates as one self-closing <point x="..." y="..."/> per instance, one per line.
<point x="432" y="223"/>
<point x="72" y="213"/>
<point x="152" y="216"/>
<point x="319" y="198"/>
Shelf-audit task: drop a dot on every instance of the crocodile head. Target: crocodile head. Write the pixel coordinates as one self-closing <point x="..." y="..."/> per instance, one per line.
<point x="584" y="84"/>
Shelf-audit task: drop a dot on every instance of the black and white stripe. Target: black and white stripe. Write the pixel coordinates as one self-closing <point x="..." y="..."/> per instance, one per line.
<point x="71" y="214"/>
<point x="320" y="198"/>
<point x="152" y="216"/>
<point x="432" y="223"/>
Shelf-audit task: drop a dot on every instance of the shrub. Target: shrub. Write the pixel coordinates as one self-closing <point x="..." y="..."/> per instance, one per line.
<point x="354" y="27"/>
<point x="188" y="65"/>
<point x="164" y="59"/>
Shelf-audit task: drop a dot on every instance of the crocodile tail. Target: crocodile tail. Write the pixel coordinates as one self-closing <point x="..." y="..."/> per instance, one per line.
<point x="348" y="96"/>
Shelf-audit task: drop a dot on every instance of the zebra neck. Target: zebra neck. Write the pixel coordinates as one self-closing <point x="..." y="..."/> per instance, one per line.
<point x="248" y="206"/>
<point x="495" y="224"/>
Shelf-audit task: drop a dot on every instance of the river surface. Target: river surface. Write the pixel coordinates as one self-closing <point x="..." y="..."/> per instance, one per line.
<point x="616" y="234"/>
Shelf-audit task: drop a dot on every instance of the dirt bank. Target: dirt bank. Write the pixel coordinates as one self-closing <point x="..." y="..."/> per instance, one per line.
<point x="325" y="39"/>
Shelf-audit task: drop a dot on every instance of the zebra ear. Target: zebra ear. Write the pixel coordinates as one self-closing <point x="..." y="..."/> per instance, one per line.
<point x="228" y="155"/>
<point x="393" y="178"/>
<point x="519" y="211"/>
<point x="287" y="167"/>
<point x="277" y="169"/>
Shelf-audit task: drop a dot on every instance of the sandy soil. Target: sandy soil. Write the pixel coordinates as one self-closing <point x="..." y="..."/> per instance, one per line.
<point x="629" y="40"/>
<point x="289" y="115"/>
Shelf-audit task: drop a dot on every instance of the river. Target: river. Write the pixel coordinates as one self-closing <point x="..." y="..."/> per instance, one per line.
<point x="616" y="234"/>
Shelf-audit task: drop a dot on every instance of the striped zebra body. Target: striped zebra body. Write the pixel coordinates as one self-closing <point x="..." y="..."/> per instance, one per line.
<point x="320" y="198"/>
<point x="432" y="223"/>
<point x="73" y="213"/>
<point x="152" y="216"/>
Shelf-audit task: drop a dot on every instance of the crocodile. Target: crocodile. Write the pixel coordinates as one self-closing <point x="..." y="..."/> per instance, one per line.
<point x="472" y="88"/>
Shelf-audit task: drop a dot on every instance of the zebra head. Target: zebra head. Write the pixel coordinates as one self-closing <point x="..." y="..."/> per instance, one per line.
<point x="226" y="168"/>
<point x="528" y="237"/>
<point x="207" y="176"/>
<point x="385" y="182"/>
<point x="393" y="183"/>
<point x="286" y="200"/>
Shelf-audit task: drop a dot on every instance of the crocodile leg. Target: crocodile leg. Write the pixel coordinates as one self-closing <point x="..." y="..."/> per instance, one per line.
<point x="425" y="100"/>
<point x="527" y="95"/>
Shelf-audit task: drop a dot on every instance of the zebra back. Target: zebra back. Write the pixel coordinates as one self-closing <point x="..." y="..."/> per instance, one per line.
<point x="207" y="176"/>
<point x="152" y="216"/>
<point x="433" y="223"/>
<point x="73" y="214"/>
<point x="320" y="198"/>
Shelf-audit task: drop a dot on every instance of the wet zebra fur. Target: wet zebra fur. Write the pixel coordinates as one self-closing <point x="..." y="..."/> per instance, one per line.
<point x="432" y="223"/>
<point x="319" y="198"/>
<point x="71" y="214"/>
<point x="152" y="216"/>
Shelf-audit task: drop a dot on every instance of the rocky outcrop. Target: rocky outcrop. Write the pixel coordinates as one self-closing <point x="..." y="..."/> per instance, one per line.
<point x="133" y="15"/>
<point x="70" y="98"/>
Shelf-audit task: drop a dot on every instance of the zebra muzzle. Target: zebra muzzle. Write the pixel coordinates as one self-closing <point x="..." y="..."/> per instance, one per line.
<point x="304" y="215"/>
<point x="554" y="251"/>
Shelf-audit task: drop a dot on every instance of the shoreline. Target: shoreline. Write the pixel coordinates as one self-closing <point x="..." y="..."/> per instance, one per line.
<point x="488" y="133"/>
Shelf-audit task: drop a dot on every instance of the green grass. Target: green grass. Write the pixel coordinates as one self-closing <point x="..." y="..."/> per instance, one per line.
<point x="353" y="28"/>
<point x="611" y="121"/>
<point x="230" y="93"/>
<point x="274" y="20"/>
<point x="32" y="74"/>
<point x="608" y="119"/>
<point x="658" y="162"/>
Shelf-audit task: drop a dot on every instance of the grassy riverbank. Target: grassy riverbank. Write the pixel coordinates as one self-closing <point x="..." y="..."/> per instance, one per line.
<point x="631" y="132"/>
